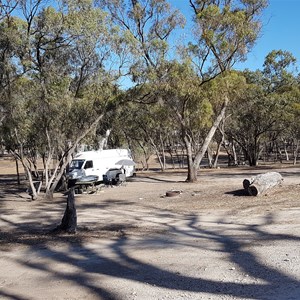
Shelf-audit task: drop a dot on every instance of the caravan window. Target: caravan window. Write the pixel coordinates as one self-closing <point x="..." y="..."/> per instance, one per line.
<point x="76" y="164"/>
<point x="88" y="164"/>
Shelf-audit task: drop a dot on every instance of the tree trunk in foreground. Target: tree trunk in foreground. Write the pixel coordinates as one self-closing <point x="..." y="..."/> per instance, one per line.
<point x="69" y="220"/>
<point x="260" y="184"/>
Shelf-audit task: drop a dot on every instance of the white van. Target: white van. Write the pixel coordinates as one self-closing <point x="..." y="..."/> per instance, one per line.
<point x="98" y="164"/>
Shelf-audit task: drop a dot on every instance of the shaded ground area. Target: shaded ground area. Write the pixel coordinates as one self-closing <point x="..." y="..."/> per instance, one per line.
<point x="210" y="242"/>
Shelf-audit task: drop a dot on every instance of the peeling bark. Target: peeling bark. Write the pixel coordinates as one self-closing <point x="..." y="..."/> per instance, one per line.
<point x="262" y="183"/>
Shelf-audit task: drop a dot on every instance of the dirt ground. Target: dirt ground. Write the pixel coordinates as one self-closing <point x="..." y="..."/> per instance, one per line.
<point x="210" y="242"/>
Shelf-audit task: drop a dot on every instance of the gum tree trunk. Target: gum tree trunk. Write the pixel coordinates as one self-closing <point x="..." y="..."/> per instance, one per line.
<point x="69" y="220"/>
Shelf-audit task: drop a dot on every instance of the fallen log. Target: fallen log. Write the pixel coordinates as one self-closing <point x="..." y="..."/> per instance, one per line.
<point x="261" y="183"/>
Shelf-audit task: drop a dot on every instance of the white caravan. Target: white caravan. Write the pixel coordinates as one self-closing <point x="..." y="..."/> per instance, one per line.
<point x="99" y="163"/>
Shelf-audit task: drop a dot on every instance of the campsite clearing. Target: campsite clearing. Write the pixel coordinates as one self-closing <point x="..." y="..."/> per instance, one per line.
<point x="210" y="241"/>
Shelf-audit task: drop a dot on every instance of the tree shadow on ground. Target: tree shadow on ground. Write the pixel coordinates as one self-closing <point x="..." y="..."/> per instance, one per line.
<point x="151" y="179"/>
<point x="239" y="193"/>
<point x="9" y="185"/>
<point x="186" y="231"/>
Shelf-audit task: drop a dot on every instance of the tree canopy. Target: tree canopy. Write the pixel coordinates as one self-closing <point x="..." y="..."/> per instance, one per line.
<point x="74" y="71"/>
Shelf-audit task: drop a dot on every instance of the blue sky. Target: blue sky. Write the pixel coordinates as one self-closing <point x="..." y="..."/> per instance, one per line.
<point x="281" y="26"/>
<point x="281" y="30"/>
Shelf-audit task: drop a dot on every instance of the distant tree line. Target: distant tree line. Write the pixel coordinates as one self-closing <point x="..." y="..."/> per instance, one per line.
<point x="109" y="74"/>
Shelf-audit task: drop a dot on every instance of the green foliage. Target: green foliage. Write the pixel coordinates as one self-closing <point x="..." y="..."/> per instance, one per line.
<point x="60" y="64"/>
<point x="53" y="84"/>
<point x="227" y="30"/>
<point x="146" y="27"/>
<point x="279" y="67"/>
<point x="265" y="106"/>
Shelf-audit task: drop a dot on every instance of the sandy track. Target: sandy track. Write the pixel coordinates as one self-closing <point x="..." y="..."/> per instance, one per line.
<point x="210" y="242"/>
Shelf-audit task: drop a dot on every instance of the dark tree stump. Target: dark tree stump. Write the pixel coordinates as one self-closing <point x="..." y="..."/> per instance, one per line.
<point x="260" y="184"/>
<point x="69" y="220"/>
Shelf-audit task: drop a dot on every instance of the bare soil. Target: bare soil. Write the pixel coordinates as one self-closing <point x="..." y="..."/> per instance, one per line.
<point x="211" y="241"/>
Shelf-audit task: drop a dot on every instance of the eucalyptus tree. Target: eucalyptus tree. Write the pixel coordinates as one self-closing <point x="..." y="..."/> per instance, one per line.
<point x="193" y="107"/>
<point x="289" y="137"/>
<point x="252" y="115"/>
<point x="146" y="28"/>
<point x="77" y="47"/>
<point x="126" y="128"/>
<point x="148" y="129"/>
<point x="12" y="41"/>
<point x="281" y="81"/>
<point x="225" y="32"/>
<point x="59" y="56"/>
<point x="264" y="108"/>
<point x="7" y="7"/>
<point x="294" y="128"/>
<point x="280" y="73"/>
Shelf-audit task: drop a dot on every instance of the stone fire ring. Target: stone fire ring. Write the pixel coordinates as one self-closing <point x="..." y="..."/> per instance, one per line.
<point x="172" y="193"/>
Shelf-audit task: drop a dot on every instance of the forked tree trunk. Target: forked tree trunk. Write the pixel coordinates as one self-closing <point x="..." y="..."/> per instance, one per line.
<point x="199" y="155"/>
<point x="194" y="163"/>
<point x="260" y="184"/>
